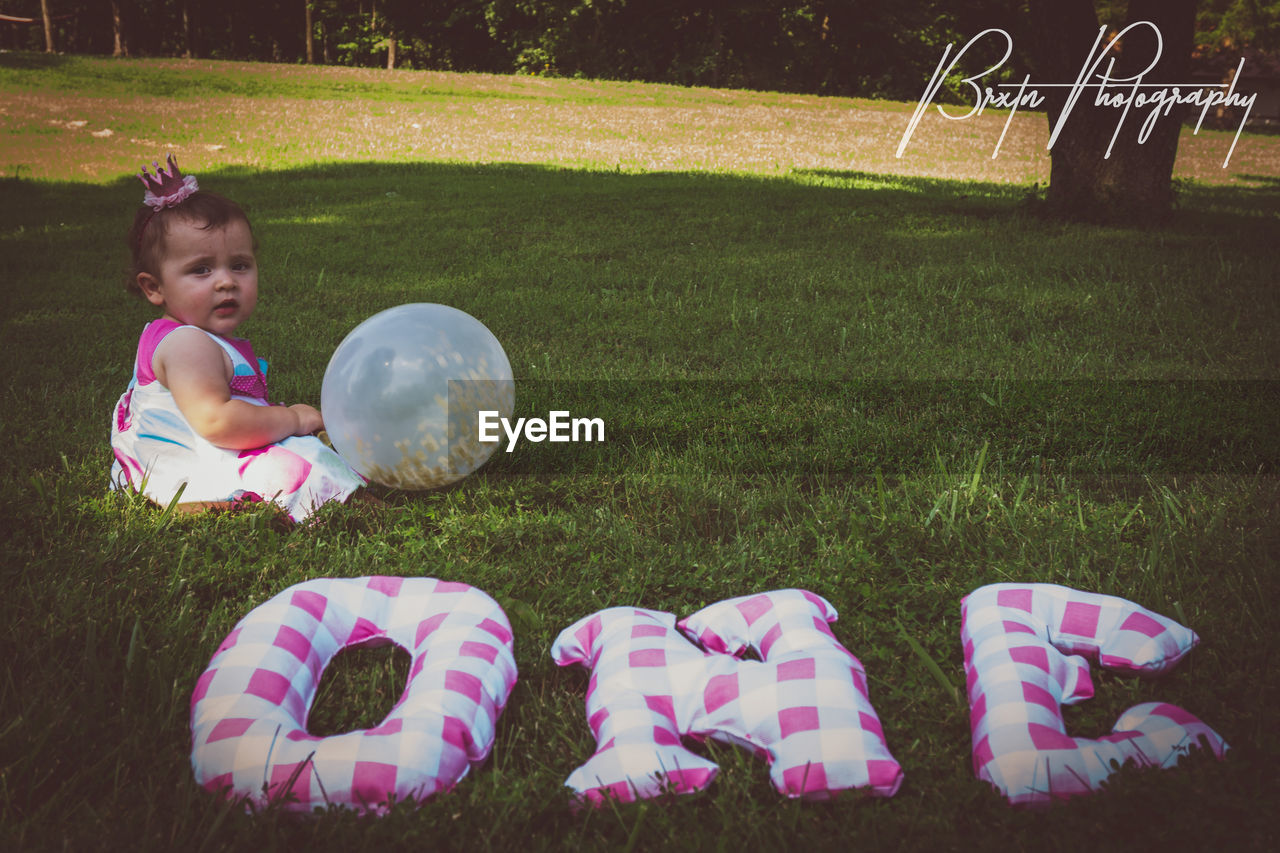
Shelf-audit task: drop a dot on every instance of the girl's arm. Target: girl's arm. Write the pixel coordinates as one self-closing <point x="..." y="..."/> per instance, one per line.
<point x="197" y="372"/>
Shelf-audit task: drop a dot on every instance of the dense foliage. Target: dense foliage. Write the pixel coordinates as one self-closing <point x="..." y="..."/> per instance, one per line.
<point x="863" y="47"/>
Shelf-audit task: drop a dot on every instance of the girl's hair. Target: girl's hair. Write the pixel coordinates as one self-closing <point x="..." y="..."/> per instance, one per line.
<point x="146" y="237"/>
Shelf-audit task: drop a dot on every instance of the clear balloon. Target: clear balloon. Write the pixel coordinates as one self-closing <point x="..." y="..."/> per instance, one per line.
<point x="403" y="392"/>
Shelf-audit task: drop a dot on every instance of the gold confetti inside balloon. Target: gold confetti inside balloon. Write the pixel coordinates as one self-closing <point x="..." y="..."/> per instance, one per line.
<point x="402" y="395"/>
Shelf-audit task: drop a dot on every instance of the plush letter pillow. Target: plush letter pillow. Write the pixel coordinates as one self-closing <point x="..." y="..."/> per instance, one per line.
<point x="803" y="707"/>
<point x="249" y="709"/>
<point x="1022" y="658"/>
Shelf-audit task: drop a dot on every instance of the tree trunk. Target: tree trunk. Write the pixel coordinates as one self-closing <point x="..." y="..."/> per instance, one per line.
<point x="188" y="50"/>
<point x="311" y="51"/>
<point x="717" y="48"/>
<point x="48" y="26"/>
<point x="121" y="47"/>
<point x="1099" y="173"/>
<point x="391" y="52"/>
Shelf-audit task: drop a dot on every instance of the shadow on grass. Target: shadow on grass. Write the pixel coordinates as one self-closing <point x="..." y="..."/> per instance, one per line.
<point x="349" y="184"/>
<point x="815" y="331"/>
<point x="349" y="187"/>
<point x="910" y="318"/>
<point x="28" y="60"/>
<point x="1269" y="182"/>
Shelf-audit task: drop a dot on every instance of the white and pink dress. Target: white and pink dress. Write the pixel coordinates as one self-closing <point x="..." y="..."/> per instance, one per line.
<point x="158" y="453"/>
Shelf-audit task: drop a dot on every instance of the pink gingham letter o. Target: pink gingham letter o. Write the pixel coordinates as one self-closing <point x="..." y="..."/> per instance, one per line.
<point x="249" y="708"/>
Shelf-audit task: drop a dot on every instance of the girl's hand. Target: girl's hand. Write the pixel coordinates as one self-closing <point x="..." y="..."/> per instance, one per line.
<point x="309" y="419"/>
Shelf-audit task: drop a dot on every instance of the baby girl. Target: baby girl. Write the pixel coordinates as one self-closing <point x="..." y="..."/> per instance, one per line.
<point x="195" y="423"/>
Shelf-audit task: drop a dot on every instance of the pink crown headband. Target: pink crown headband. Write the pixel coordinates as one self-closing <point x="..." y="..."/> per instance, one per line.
<point x="167" y="188"/>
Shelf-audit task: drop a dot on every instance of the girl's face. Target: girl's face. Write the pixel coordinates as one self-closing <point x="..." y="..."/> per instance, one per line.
<point x="208" y="276"/>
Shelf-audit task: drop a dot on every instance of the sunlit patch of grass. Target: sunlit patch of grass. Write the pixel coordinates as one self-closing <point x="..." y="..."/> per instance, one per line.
<point x="222" y="113"/>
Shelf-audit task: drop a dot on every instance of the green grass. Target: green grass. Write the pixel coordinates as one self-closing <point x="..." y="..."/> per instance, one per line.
<point x="886" y="388"/>
<point x="199" y="80"/>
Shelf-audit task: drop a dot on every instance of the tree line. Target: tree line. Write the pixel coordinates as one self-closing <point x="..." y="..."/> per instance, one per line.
<point x="869" y="48"/>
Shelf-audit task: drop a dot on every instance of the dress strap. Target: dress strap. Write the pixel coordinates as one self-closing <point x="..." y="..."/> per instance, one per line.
<point x="248" y="371"/>
<point x="152" y="335"/>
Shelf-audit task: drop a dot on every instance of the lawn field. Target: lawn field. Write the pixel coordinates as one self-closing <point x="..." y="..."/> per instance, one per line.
<point x="885" y="380"/>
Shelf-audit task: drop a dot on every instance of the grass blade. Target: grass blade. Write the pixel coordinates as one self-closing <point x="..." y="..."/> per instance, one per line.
<point x="977" y="471"/>
<point x="930" y="664"/>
